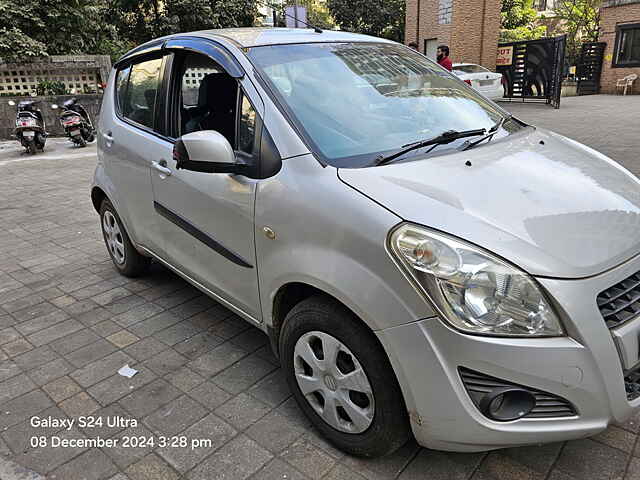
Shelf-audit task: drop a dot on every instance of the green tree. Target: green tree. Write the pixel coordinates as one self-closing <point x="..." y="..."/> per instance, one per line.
<point x="318" y="13"/>
<point x="519" y="21"/>
<point x="381" y="18"/>
<point x="581" y="21"/>
<point x="31" y="28"/>
<point x="17" y="46"/>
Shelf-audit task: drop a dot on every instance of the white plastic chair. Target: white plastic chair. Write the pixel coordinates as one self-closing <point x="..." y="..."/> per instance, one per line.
<point x="626" y="82"/>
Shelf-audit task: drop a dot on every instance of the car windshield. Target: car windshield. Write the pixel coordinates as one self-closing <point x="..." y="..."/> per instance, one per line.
<point x="355" y="101"/>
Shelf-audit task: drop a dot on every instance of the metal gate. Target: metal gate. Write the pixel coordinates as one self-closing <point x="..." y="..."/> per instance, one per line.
<point x="590" y="67"/>
<point x="532" y="70"/>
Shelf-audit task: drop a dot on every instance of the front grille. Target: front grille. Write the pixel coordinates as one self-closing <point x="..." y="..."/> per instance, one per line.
<point x="621" y="302"/>
<point x="547" y="404"/>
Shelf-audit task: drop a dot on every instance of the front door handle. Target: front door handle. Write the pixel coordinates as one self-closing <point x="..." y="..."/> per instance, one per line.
<point x="161" y="168"/>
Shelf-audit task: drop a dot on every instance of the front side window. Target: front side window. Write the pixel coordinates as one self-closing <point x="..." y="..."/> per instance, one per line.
<point x="208" y="97"/>
<point x="627" y="52"/>
<point x="247" y="126"/>
<point x="140" y="98"/>
<point x="355" y="101"/>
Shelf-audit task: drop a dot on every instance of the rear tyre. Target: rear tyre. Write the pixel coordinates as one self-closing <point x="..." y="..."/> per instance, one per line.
<point x="81" y="141"/>
<point x="342" y="379"/>
<point x="91" y="138"/>
<point x="31" y="147"/>
<point x="124" y="256"/>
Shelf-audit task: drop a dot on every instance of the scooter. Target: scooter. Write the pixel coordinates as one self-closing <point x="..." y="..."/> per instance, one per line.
<point x="76" y="122"/>
<point x="30" y="125"/>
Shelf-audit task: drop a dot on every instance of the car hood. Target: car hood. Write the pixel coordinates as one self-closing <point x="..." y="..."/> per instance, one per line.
<point x="544" y="202"/>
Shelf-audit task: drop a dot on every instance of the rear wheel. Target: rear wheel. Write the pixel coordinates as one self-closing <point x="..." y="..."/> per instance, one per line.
<point x="342" y="379"/>
<point x="124" y="256"/>
<point x="31" y="147"/>
<point x="81" y="141"/>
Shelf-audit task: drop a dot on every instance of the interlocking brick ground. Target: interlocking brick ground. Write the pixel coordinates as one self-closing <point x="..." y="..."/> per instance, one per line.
<point x="68" y="322"/>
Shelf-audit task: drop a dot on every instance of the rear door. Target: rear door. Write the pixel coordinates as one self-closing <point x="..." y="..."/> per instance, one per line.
<point x="206" y="220"/>
<point x="130" y="140"/>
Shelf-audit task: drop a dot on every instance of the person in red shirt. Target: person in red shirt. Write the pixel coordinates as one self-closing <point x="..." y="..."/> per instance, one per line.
<point x="443" y="57"/>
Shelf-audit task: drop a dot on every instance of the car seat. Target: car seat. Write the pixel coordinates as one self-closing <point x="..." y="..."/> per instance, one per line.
<point x="216" y="108"/>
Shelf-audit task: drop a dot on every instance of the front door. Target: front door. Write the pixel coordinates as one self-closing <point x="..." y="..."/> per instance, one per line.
<point x="206" y="220"/>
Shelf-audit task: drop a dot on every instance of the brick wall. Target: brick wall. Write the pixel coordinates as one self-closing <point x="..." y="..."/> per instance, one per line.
<point x="611" y="15"/>
<point x="8" y="113"/>
<point x="472" y="34"/>
<point x="429" y="25"/>
<point x="477" y="28"/>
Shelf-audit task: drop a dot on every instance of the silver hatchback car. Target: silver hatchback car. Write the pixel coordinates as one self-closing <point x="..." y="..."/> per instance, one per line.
<point x="421" y="261"/>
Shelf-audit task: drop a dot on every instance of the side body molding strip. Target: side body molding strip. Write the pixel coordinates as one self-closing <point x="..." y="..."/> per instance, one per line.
<point x="194" y="231"/>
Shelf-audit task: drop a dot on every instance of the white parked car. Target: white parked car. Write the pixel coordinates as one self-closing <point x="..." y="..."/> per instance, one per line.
<point x="485" y="81"/>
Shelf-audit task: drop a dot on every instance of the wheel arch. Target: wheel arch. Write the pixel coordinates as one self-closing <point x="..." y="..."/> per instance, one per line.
<point x="97" y="197"/>
<point x="291" y="294"/>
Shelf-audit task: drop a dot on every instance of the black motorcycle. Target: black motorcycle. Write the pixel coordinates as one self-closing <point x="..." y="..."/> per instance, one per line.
<point x="76" y="122"/>
<point x="30" y="125"/>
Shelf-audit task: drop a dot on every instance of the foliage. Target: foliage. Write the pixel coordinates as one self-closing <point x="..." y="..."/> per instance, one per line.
<point x="54" y="27"/>
<point x="519" y="21"/>
<point x="15" y="45"/>
<point x="581" y="20"/>
<point x="48" y="87"/>
<point x="381" y="18"/>
<point x="318" y="13"/>
<point x="31" y="28"/>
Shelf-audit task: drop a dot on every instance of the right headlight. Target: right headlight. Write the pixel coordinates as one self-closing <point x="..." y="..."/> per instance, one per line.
<point x="474" y="291"/>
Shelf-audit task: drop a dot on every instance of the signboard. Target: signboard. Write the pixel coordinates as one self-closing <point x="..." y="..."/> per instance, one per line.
<point x="505" y="56"/>
<point x="296" y="16"/>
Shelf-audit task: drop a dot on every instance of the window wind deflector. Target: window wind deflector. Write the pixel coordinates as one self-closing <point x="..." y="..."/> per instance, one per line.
<point x="209" y="48"/>
<point x="444" y="138"/>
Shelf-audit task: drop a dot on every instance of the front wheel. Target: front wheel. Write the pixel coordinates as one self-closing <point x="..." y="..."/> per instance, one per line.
<point x="124" y="256"/>
<point x="342" y="379"/>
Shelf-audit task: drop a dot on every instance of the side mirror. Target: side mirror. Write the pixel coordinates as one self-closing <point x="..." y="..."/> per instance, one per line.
<point x="54" y="106"/>
<point x="11" y="102"/>
<point x="206" y="151"/>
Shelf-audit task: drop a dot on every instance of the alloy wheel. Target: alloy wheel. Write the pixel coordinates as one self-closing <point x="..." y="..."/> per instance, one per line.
<point x="333" y="382"/>
<point x="113" y="237"/>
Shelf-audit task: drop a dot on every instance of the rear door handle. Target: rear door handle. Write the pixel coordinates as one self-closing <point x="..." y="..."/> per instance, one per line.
<point x="108" y="138"/>
<point x="162" y="169"/>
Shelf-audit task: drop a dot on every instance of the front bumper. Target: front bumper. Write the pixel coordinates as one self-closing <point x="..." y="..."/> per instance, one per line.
<point x="584" y="368"/>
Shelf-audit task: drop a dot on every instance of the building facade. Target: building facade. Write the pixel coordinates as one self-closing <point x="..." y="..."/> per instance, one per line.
<point x="620" y="29"/>
<point x="470" y="28"/>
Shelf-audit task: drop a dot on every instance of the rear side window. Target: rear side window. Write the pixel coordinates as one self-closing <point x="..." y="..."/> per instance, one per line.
<point x="137" y="89"/>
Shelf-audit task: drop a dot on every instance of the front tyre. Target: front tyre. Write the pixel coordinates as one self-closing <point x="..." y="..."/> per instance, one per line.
<point x="342" y="379"/>
<point x="124" y="256"/>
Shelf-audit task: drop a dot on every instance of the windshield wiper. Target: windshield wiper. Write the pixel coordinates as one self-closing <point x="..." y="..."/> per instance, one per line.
<point x="490" y="133"/>
<point x="445" y="137"/>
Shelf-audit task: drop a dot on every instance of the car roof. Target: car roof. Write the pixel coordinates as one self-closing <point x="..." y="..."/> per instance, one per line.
<point x="255" y="37"/>
<point x="259" y="36"/>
